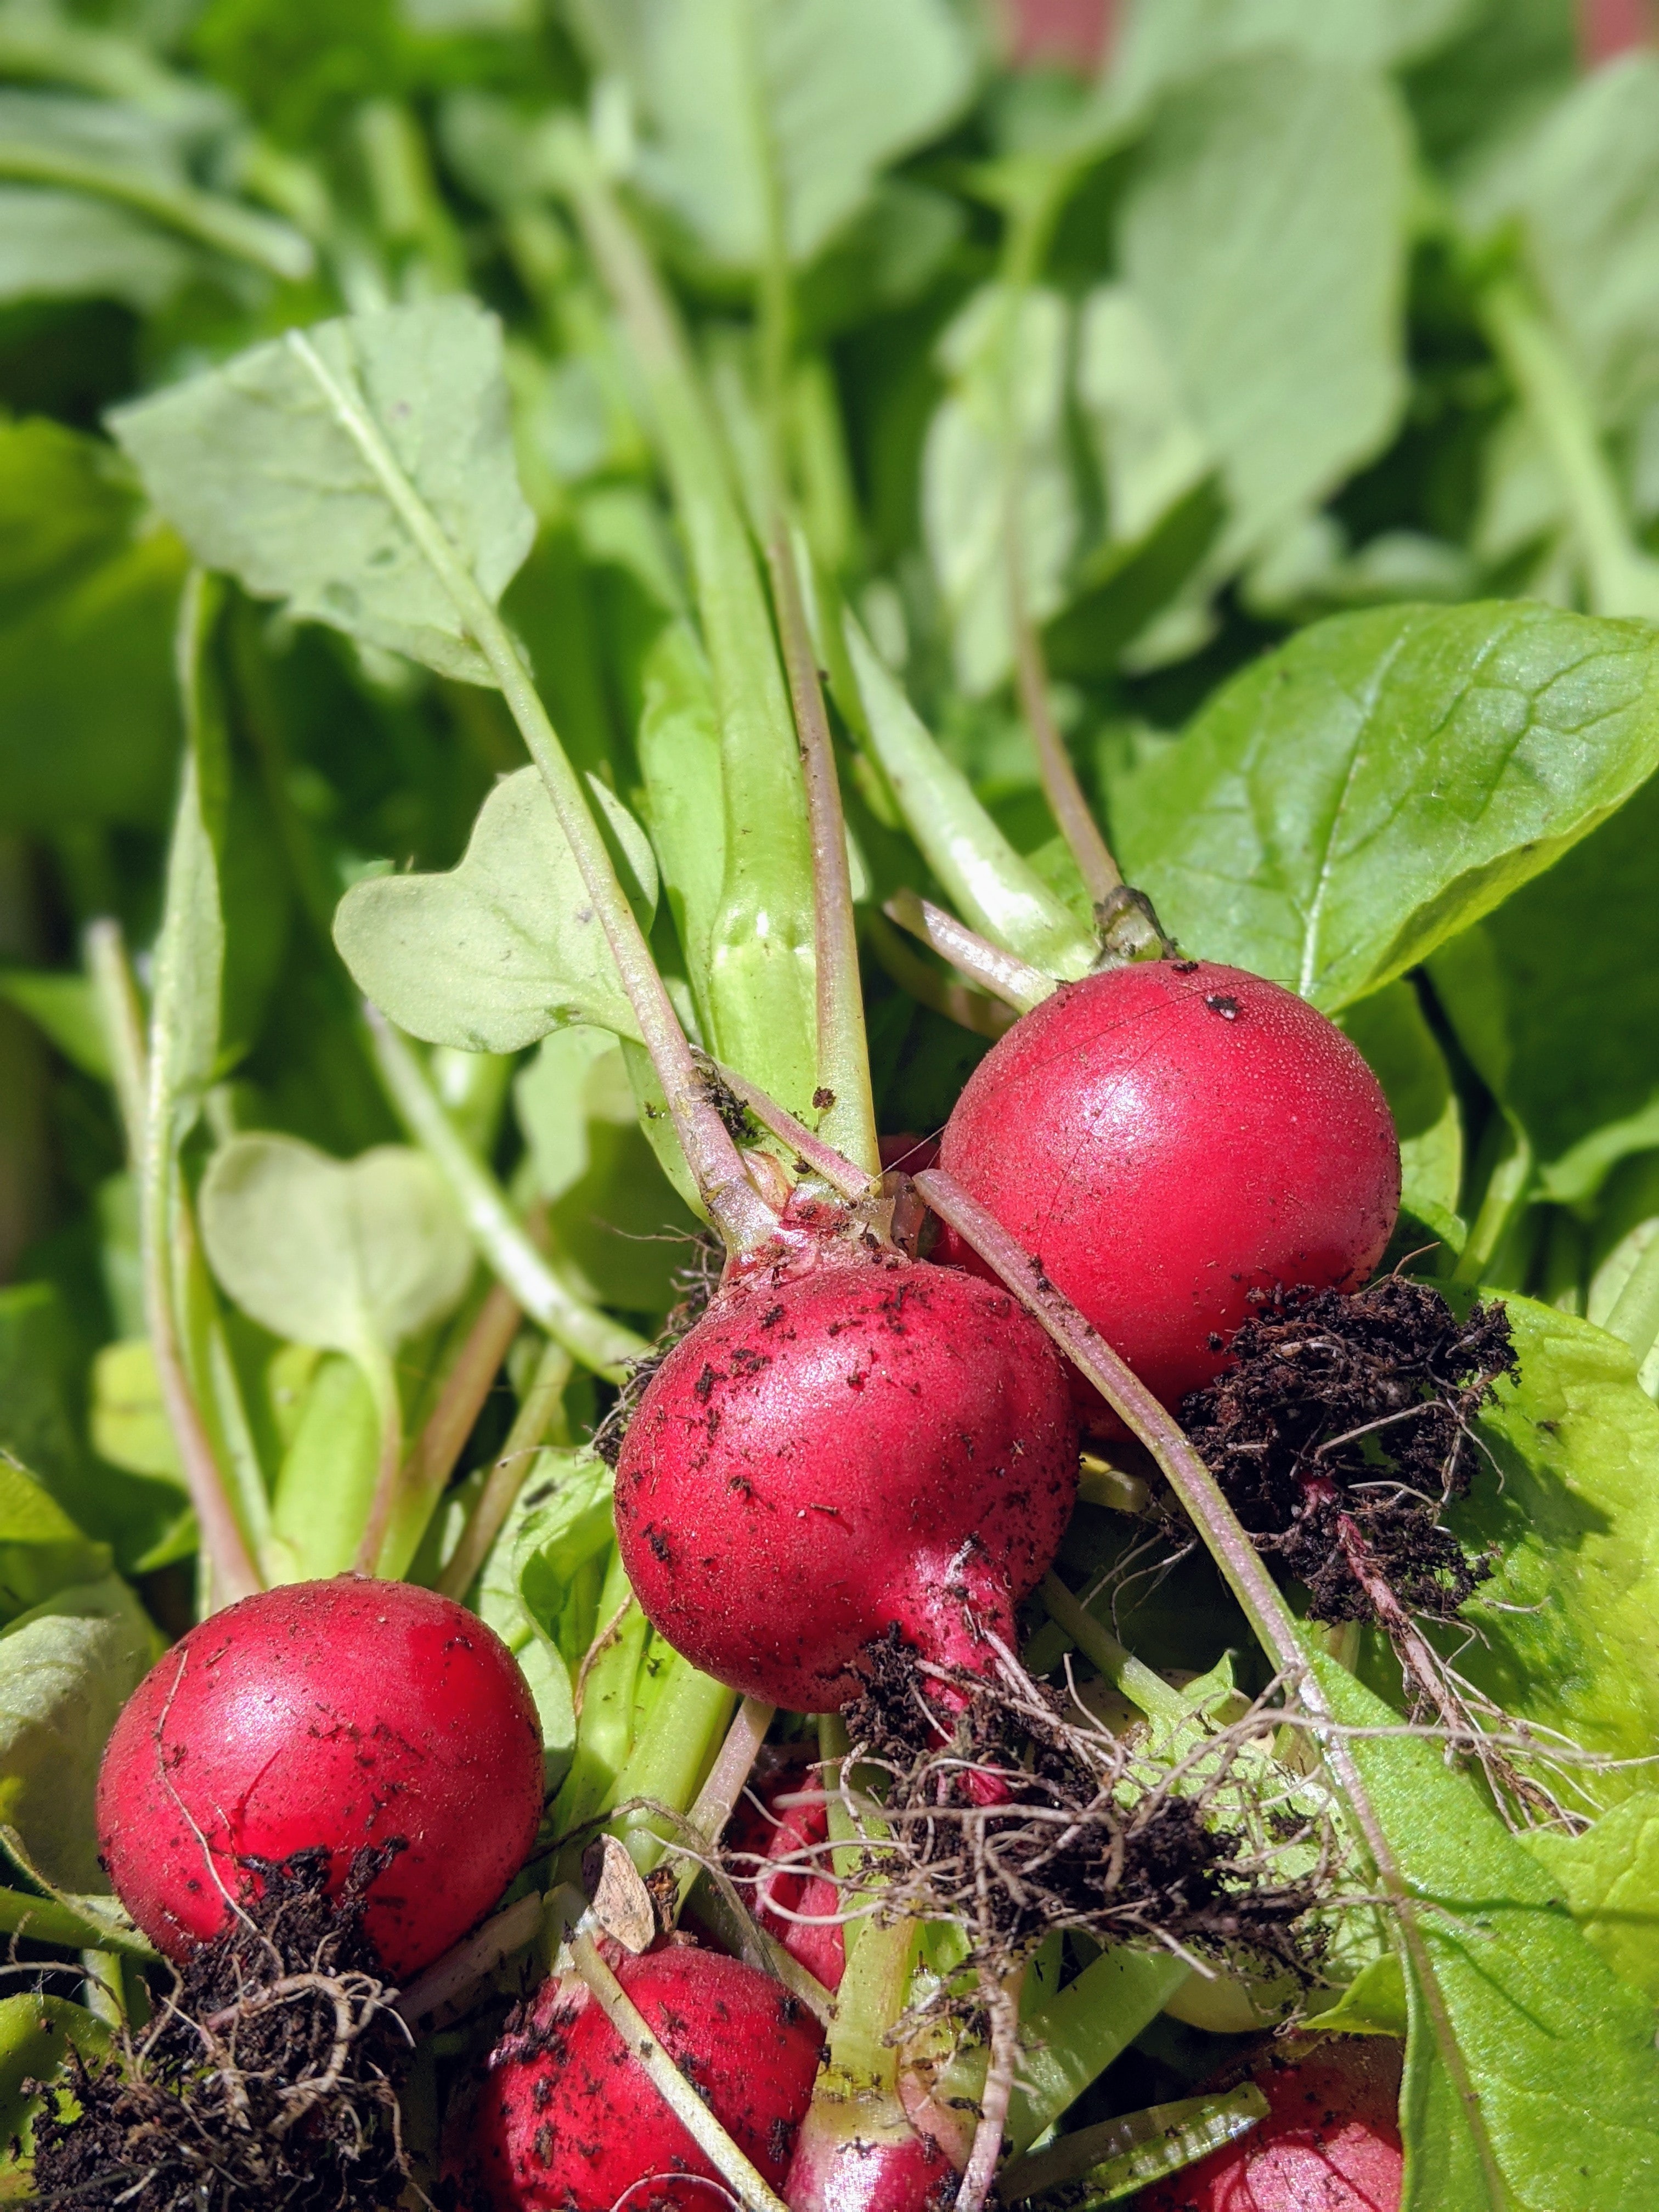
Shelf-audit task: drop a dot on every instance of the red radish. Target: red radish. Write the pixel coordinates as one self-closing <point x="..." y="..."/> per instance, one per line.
<point x="1330" y="2142"/>
<point x="787" y="1900"/>
<point x="845" y="1441"/>
<point x="850" y="2163"/>
<point x="1167" y="1139"/>
<point x="568" y="2121"/>
<point x="335" y="1714"/>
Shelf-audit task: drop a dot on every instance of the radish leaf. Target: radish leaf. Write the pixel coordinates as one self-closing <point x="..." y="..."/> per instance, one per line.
<point x="1561" y="2052"/>
<point x="253" y="465"/>
<point x="1351" y="801"/>
<point x="1405" y="1055"/>
<point x="506" y="946"/>
<point x="1610" y="1878"/>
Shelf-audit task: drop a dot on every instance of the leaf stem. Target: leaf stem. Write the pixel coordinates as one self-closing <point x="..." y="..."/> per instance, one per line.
<point x="382" y="1379"/>
<point x="742" y="1216"/>
<point x="204" y="217"/>
<point x="233" y="1573"/>
<point x="1066" y="803"/>
<point x="606" y="1346"/>
<point x="1006" y="976"/>
<point x="841" y="1173"/>
<point x="943" y="994"/>
<point x="849" y="1118"/>
<point x="1242" y="1568"/>
<point x="1622" y="578"/>
<point x="1135" y="1679"/>
<point x="506" y="1478"/>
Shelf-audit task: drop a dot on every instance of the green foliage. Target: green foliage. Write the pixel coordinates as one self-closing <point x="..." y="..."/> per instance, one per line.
<point x="1406" y="1057"/>
<point x="1561" y="2053"/>
<point x="37" y="2032"/>
<point x="507" y="945"/>
<point x="41" y="1550"/>
<point x="1609" y="1876"/>
<point x="256" y="466"/>
<point x="1348" y="804"/>
<point x="67" y="1667"/>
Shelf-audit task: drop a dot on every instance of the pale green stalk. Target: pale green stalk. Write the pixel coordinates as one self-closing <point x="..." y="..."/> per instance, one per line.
<point x="541" y="1409"/>
<point x="670" y="1757"/>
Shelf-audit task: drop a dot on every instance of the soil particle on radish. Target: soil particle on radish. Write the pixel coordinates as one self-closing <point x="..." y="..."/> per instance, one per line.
<point x="1330" y="2142"/>
<point x="566" y="2120"/>
<point x="844" y="1442"/>
<point x="1167" y="1139"/>
<point x="1342" y="1430"/>
<point x="268" y="2081"/>
<point x="336" y="1714"/>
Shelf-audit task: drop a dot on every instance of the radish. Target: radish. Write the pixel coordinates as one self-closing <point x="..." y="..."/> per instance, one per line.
<point x="1330" y="2142"/>
<point x="566" y="2121"/>
<point x="1169" y="1138"/>
<point x="788" y="1898"/>
<point x="846" y="1441"/>
<point x="343" y="1715"/>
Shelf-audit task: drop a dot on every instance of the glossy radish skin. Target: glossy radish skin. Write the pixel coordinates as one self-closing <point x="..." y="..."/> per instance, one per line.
<point x="568" y="2121"/>
<point x="1330" y="2142"/>
<point x="334" y="1714"/>
<point x="864" y="1443"/>
<point x="852" y="2164"/>
<point x="1168" y="1138"/>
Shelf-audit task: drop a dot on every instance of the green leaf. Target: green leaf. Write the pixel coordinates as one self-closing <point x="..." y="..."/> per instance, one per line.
<point x="506" y="946"/>
<point x="63" y="245"/>
<point x="1405" y="1058"/>
<point x="41" y="1550"/>
<point x="1150" y="452"/>
<point x="36" y="2034"/>
<point x="1002" y="419"/>
<point x="1588" y="193"/>
<point x="1560" y="2052"/>
<point x="1348" y="802"/>
<point x="1078" y="2034"/>
<point x="66" y="1669"/>
<point x="679" y="753"/>
<point x="1568" y="1627"/>
<point x="348" y="1255"/>
<point x="61" y="1005"/>
<point x="1610" y="1878"/>
<point x="190" y="960"/>
<point x="1263" y="233"/>
<point x="616" y="1222"/>
<point x="1555" y="998"/>
<point x="1163" y="41"/>
<point x="129" y="1421"/>
<point x="254" y="467"/>
<point x="820" y="94"/>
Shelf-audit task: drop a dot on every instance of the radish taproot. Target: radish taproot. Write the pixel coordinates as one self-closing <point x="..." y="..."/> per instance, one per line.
<point x="567" y="2120"/>
<point x="1168" y="1138"/>
<point x="346" y="1714"/>
<point x="1330" y="2142"/>
<point x="846" y="1441"/>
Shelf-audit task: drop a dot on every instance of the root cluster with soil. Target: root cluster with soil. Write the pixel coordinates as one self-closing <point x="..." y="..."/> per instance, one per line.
<point x="266" y="2079"/>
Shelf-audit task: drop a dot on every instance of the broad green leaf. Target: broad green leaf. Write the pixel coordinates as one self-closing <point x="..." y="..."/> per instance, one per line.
<point x="64" y="246"/>
<point x="1263" y="232"/>
<point x="1588" y="193"/>
<point x="146" y="1522"/>
<point x="64" y="501"/>
<point x="326" y="1480"/>
<point x="41" y="1550"/>
<point x="809" y="99"/>
<point x="61" y="1005"/>
<point x="1555" y="998"/>
<point x="253" y="465"/>
<point x="1561" y="2053"/>
<point x="1348" y="802"/>
<point x="351" y="1255"/>
<point x="129" y="1421"/>
<point x="1476" y="99"/>
<point x="1610" y="1878"/>
<point x="1405" y="1056"/>
<point x="1162" y="41"/>
<point x="506" y="946"/>
<point x="1150" y="452"/>
<point x="1001" y="423"/>
<point x="66" y="1669"/>
<point x="37" y="2032"/>
<point x="1567" y="1630"/>
<point x="616" y="1222"/>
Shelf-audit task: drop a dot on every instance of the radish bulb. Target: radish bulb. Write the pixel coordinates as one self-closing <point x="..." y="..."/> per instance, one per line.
<point x="342" y="1715"/>
<point x="846" y="1441"/>
<point x="1167" y="1139"/>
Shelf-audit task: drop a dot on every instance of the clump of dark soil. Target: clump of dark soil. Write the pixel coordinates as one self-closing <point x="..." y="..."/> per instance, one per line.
<point x="266" y="2079"/>
<point x="1342" y="1431"/>
<point x="1035" y="1817"/>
